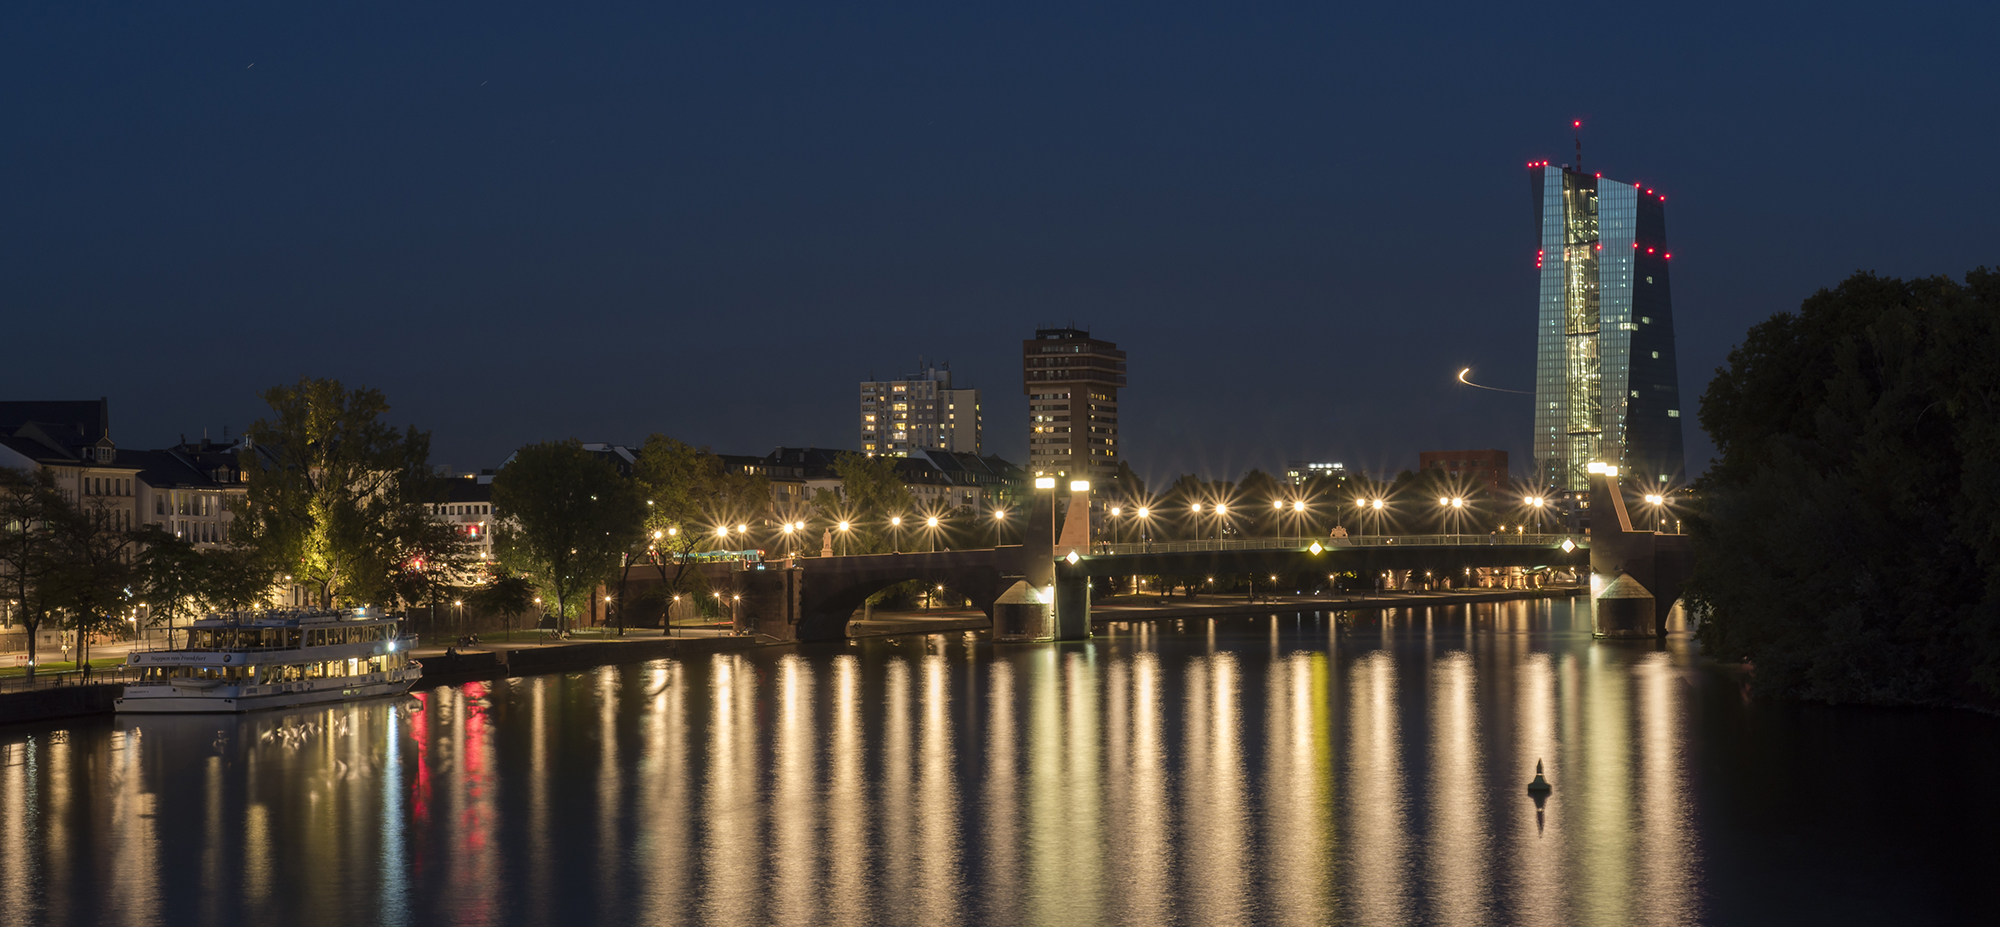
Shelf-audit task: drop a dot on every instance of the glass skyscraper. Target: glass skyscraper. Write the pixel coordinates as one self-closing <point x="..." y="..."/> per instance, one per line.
<point x="1605" y="382"/>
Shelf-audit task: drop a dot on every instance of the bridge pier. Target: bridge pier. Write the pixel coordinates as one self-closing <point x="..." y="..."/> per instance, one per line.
<point x="1072" y="611"/>
<point x="1636" y="576"/>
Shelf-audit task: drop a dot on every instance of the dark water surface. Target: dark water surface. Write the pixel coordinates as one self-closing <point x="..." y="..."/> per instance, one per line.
<point x="1295" y="769"/>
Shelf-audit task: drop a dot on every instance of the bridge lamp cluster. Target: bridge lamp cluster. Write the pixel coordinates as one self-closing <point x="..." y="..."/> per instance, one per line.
<point x="1536" y="501"/>
<point x="1655" y="499"/>
<point x="1453" y="502"/>
<point x="1045" y="482"/>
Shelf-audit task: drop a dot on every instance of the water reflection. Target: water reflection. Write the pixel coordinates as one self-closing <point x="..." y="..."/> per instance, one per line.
<point x="1299" y="770"/>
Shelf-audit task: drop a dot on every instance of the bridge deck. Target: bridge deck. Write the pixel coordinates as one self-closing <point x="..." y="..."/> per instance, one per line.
<point x="1549" y="541"/>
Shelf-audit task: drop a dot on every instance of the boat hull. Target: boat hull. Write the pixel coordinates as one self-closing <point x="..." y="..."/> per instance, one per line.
<point x="168" y="699"/>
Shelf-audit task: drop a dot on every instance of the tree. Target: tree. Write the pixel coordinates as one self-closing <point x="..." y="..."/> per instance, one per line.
<point x="94" y="573"/>
<point x="334" y="491"/>
<point x="689" y="493"/>
<point x="1847" y="538"/>
<point x="875" y="493"/>
<point x="568" y="518"/>
<point x="504" y="592"/>
<point x="31" y="508"/>
<point x="432" y="561"/>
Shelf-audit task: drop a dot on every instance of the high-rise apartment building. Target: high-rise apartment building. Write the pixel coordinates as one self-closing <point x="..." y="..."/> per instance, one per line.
<point x="919" y="412"/>
<point x="1606" y="387"/>
<point x="1072" y="381"/>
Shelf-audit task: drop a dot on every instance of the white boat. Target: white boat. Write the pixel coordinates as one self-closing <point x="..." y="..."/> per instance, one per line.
<point x="244" y="661"/>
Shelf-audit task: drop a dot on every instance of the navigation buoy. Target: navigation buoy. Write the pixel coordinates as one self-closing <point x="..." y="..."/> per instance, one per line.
<point x="1540" y="786"/>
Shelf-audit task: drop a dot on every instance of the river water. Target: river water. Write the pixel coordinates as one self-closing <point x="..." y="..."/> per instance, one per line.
<point x="1291" y="769"/>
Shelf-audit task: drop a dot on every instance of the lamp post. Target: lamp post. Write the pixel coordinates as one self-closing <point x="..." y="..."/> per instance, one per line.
<point x="1196" y="509"/>
<point x="1145" y="529"/>
<point x="999" y="515"/>
<point x="845" y="527"/>
<point x="1655" y="500"/>
<point x="1299" y="518"/>
<point x="788" y="538"/>
<point x="896" y="534"/>
<point x="1537" y="503"/>
<point x="1221" y="515"/>
<point x="931" y="531"/>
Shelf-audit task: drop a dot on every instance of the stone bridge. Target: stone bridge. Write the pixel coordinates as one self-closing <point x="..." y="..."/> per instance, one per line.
<point x="1636" y="576"/>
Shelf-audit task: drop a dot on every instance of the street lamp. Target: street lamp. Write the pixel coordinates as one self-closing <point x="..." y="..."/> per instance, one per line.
<point x="896" y="534"/>
<point x="931" y="530"/>
<point x="1655" y="500"/>
<point x="844" y="528"/>
<point x="999" y="515"/>
<point x="1221" y="515"/>
<point x="1145" y="529"/>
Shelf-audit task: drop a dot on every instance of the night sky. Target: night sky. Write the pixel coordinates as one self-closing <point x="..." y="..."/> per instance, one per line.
<point x="532" y="221"/>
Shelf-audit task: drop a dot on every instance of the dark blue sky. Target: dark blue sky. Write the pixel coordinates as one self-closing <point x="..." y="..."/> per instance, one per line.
<point x="529" y="221"/>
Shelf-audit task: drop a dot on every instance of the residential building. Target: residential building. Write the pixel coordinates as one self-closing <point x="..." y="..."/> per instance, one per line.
<point x="467" y="506"/>
<point x="1486" y="469"/>
<point x="1072" y="382"/>
<point x="1606" y="386"/>
<point x="938" y="480"/>
<point x="919" y="412"/>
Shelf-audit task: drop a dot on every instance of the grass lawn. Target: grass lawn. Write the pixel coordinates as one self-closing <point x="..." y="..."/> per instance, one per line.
<point x="62" y="666"/>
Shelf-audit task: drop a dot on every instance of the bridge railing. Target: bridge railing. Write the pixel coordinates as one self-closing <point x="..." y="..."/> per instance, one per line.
<point x="1392" y="540"/>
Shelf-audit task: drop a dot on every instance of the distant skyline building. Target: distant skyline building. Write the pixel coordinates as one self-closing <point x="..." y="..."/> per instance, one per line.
<point x="1072" y="382"/>
<point x="919" y="412"/>
<point x="1299" y="471"/>
<point x="1606" y="385"/>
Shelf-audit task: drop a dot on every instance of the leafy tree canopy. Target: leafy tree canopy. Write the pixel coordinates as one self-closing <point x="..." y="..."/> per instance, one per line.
<point x="335" y="494"/>
<point x="568" y="520"/>
<point x="1848" y="538"/>
<point x="874" y="493"/>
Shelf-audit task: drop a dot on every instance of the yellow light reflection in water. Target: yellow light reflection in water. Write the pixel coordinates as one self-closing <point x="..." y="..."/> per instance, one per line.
<point x="1002" y="799"/>
<point x="847" y="803"/>
<point x="1537" y="858"/>
<point x="135" y="898"/>
<point x="898" y="822"/>
<point x="1604" y="791"/>
<point x="730" y="800"/>
<point x="1666" y="845"/>
<point x="794" y="809"/>
<point x="1212" y="796"/>
<point x="1378" y="830"/>
<point x="1458" y="873"/>
<point x="1298" y="804"/>
<point x="664" y="811"/>
<point x="938" y="887"/>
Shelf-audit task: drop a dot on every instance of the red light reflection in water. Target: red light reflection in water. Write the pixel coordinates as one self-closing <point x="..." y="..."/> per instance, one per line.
<point x="420" y="791"/>
<point x="473" y="817"/>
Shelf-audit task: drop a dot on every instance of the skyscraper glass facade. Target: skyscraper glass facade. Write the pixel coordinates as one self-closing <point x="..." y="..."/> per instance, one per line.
<point x="1605" y="382"/>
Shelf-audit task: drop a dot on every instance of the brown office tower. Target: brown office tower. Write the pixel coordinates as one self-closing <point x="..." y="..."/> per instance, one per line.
<point x="1072" y="381"/>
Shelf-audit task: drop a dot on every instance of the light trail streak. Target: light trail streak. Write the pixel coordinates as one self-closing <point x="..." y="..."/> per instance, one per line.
<point x="1462" y="379"/>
